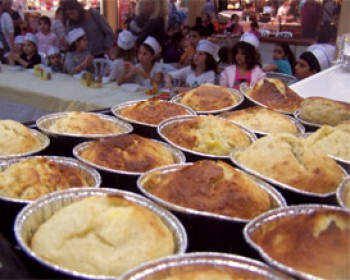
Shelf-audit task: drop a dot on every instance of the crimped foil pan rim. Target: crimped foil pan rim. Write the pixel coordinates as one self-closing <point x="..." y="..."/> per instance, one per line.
<point x="170" y="121"/>
<point x="43" y="139"/>
<point x="299" y="126"/>
<point x="280" y="184"/>
<point x="341" y="192"/>
<point x="272" y="192"/>
<point x="121" y="106"/>
<point x="167" y="217"/>
<point x="59" y="159"/>
<point x="244" y="90"/>
<point x="297" y="116"/>
<point x="237" y="94"/>
<point x="275" y="214"/>
<point x="54" y="116"/>
<point x="203" y="258"/>
<point x="177" y="154"/>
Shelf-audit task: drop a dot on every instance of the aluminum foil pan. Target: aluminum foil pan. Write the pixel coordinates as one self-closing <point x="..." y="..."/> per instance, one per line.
<point x="91" y="175"/>
<point x="300" y="128"/>
<point x="44" y="141"/>
<point x="255" y="227"/>
<point x="244" y="88"/>
<point x="238" y="96"/>
<point x="178" y="156"/>
<point x="117" y="111"/>
<point x="278" y="183"/>
<point x="36" y="213"/>
<point x="169" y="124"/>
<point x="168" y="266"/>
<point x="307" y="123"/>
<point x="44" y="123"/>
<point x="342" y="192"/>
<point x="275" y="197"/>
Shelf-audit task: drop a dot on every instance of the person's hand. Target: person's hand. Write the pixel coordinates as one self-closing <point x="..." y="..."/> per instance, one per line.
<point x="88" y="60"/>
<point x="13" y="56"/>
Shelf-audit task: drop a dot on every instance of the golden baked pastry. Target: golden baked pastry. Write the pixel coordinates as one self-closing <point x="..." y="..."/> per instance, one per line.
<point x="330" y="140"/>
<point x="102" y="236"/>
<point x="31" y="178"/>
<point x="153" y="111"/>
<point x="285" y="158"/>
<point x="275" y="94"/>
<point x="209" y="135"/>
<point x="320" y="110"/>
<point x="211" y="186"/>
<point x="129" y="152"/>
<point x="262" y="120"/>
<point x="84" y="123"/>
<point x="317" y="243"/>
<point x="347" y="194"/>
<point x="15" y="138"/>
<point x="208" y="97"/>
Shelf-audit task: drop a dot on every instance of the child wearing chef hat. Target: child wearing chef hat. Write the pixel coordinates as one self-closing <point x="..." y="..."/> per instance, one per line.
<point x="54" y="59"/>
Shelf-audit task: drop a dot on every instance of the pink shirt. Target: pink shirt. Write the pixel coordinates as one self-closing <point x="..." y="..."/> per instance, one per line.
<point x="44" y="41"/>
<point x="239" y="79"/>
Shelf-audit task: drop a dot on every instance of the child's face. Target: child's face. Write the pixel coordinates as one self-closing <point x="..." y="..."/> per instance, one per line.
<point x="278" y="53"/>
<point x="144" y="56"/>
<point x="18" y="48"/>
<point x="194" y="37"/>
<point x="302" y="70"/>
<point x="240" y="58"/>
<point x="55" y="59"/>
<point x="82" y="44"/>
<point x="44" y="27"/>
<point x="199" y="58"/>
<point x="29" y="48"/>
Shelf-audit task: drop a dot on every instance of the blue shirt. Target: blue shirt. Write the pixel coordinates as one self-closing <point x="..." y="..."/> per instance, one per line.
<point x="283" y="66"/>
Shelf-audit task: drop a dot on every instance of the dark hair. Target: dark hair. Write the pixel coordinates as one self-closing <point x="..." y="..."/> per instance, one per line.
<point x="224" y="54"/>
<point x="254" y="24"/>
<point x="326" y="34"/>
<point x="149" y="48"/>
<point x="252" y="56"/>
<point x="73" y="5"/>
<point x="128" y="55"/>
<point x="199" y="29"/>
<point x="73" y="47"/>
<point x="289" y="53"/>
<point x="234" y="16"/>
<point x="58" y="10"/>
<point x="45" y="19"/>
<point x="210" y="63"/>
<point x="311" y="60"/>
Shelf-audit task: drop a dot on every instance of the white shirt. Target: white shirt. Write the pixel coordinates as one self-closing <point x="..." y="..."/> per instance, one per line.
<point x="118" y="68"/>
<point x="7" y="28"/>
<point x="283" y="11"/>
<point x="188" y="75"/>
<point x="157" y="68"/>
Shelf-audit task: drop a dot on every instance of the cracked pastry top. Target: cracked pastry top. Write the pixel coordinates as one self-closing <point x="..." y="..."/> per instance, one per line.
<point x="84" y="123"/>
<point x="317" y="243"/>
<point x="208" y="97"/>
<point x="128" y="152"/>
<point x="276" y="95"/>
<point x="31" y="178"/>
<point x="103" y="236"/>
<point x="263" y="120"/>
<point x="15" y="138"/>
<point x="153" y="111"/>
<point x="210" y="186"/>
<point x="285" y="158"/>
<point x="208" y="134"/>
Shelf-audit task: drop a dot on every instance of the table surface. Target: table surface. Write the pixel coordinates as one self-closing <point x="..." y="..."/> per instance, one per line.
<point x="61" y="93"/>
<point x="333" y="83"/>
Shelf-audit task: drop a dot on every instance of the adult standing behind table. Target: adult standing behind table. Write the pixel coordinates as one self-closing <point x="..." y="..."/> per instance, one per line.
<point x="150" y="20"/>
<point x="6" y="27"/>
<point x="99" y="33"/>
<point x="310" y="17"/>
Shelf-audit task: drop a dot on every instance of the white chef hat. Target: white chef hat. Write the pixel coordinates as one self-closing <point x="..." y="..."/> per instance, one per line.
<point x="322" y="56"/>
<point x="52" y="50"/>
<point x="153" y="43"/>
<point x="75" y="34"/>
<point x="19" y="39"/>
<point x="126" y="40"/>
<point x="208" y="47"/>
<point x="250" y="38"/>
<point x="31" y="37"/>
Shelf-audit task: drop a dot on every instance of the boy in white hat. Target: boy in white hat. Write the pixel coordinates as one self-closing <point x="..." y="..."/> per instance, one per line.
<point x="54" y="59"/>
<point x="310" y="63"/>
<point x="29" y="57"/>
<point x="147" y="71"/>
<point x="78" y="57"/>
<point x="19" y="43"/>
<point x="202" y="70"/>
<point x="126" y="52"/>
